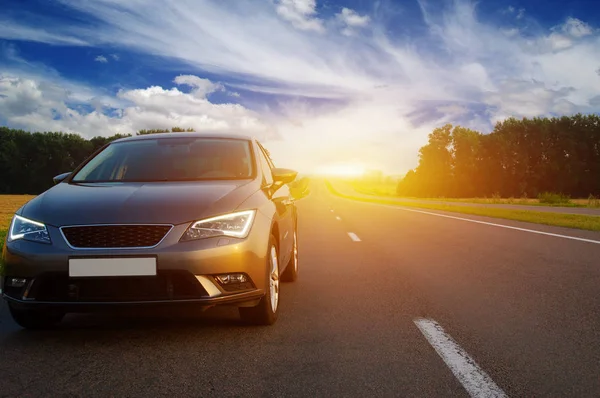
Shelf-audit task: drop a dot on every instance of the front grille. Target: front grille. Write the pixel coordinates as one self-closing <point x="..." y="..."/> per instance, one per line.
<point x="115" y="236"/>
<point x="166" y="285"/>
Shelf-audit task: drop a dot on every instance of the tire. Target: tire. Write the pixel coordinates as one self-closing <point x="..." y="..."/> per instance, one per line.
<point x="36" y="319"/>
<point x="291" y="271"/>
<point x="265" y="313"/>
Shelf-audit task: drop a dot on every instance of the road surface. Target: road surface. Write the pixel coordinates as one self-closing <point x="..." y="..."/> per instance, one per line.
<point x="390" y="302"/>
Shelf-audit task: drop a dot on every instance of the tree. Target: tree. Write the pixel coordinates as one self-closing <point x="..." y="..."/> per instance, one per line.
<point x="435" y="163"/>
<point x="518" y="158"/>
<point x="28" y="161"/>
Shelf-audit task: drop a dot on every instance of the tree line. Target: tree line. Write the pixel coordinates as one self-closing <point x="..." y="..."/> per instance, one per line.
<point x="519" y="158"/>
<point x="28" y="161"/>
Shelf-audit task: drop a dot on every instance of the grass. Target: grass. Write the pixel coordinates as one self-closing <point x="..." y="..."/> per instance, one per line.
<point x="578" y="221"/>
<point x="544" y="199"/>
<point x="8" y="205"/>
<point x="383" y="189"/>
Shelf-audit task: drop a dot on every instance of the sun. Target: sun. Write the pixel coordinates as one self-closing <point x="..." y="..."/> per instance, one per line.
<point x="345" y="169"/>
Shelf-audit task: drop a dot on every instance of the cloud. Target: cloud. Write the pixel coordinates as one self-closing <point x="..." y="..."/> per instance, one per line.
<point x="350" y="20"/>
<point x="101" y="58"/>
<point x="43" y="106"/>
<point x="115" y="57"/>
<point x="576" y="28"/>
<point x="329" y="96"/>
<point x="13" y="31"/>
<point x="14" y="65"/>
<point x="520" y="98"/>
<point x="200" y="87"/>
<point x="301" y="14"/>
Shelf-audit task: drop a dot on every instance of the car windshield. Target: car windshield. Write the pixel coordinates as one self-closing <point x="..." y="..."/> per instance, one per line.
<point x="170" y="159"/>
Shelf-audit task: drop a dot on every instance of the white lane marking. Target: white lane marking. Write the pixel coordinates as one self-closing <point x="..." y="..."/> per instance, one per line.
<point x="533" y="231"/>
<point x="353" y="236"/>
<point x="338" y="218"/>
<point x="465" y="369"/>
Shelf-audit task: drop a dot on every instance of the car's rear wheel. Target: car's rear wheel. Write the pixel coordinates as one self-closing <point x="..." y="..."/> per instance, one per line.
<point x="36" y="319"/>
<point x="291" y="271"/>
<point x="265" y="313"/>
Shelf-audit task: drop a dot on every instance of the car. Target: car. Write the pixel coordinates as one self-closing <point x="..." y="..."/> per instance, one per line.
<point x="159" y="219"/>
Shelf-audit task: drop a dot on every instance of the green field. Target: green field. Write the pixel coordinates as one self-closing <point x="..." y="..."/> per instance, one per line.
<point x="8" y="205"/>
<point x="384" y="189"/>
<point x="591" y="223"/>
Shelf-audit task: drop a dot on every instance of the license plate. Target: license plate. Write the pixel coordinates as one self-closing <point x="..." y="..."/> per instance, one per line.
<point x="82" y="267"/>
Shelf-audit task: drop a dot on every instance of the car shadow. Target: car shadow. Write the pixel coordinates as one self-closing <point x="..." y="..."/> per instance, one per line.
<point x="151" y="324"/>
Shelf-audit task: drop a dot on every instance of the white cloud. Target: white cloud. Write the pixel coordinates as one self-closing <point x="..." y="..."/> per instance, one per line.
<point x="565" y="35"/>
<point x="13" y="65"/>
<point x="43" y="106"/>
<point x="115" y="57"/>
<point x="12" y="31"/>
<point x="301" y="14"/>
<point x="351" y="20"/>
<point x="510" y="32"/>
<point x="522" y="98"/>
<point x="101" y="58"/>
<point x="576" y="28"/>
<point x="200" y="87"/>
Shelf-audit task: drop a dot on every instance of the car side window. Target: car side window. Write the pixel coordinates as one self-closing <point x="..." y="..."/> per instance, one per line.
<point x="266" y="167"/>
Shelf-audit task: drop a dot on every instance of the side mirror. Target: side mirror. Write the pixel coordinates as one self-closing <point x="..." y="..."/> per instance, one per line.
<point x="284" y="176"/>
<point x="60" y="178"/>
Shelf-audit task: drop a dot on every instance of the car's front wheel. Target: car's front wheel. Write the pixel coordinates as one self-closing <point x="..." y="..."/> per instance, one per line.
<point x="36" y="319"/>
<point x="265" y="313"/>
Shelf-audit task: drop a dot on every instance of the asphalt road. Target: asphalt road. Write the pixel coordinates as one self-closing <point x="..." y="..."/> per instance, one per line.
<point x="522" y="310"/>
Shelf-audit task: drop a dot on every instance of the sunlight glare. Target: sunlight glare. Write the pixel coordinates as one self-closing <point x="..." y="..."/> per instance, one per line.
<point x="342" y="169"/>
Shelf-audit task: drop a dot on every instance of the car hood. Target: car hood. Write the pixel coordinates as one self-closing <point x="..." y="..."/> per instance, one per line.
<point x="135" y="203"/>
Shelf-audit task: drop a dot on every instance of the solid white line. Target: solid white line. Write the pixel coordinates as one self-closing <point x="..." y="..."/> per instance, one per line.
<point x="533" y="231"/>
<point x="471" y="376"/>
<point x="353" y="236"/>
<point x="338" y="218"/>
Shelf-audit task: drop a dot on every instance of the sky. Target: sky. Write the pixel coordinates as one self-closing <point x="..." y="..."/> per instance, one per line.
<point x="324" y="84"/>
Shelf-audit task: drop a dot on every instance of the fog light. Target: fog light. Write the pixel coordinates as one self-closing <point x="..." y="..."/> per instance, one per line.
<point x="231" y="278"/>
<point x="16" y="282"/>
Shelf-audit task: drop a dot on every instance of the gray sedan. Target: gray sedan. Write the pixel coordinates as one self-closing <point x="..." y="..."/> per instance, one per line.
<point x="161" y="219"/>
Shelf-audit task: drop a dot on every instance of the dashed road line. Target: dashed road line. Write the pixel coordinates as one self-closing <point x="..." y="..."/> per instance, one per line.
<point x="353" y="236"/>
<point x="465" y="369"/>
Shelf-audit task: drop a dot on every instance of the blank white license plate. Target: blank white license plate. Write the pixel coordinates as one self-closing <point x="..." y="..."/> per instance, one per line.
<point x="112" y="267"/>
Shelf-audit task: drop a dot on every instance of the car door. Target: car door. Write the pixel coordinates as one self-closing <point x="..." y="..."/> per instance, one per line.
<point x="284" y="205"/>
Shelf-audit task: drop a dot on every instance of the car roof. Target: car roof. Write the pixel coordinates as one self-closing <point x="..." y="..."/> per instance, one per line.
<point x="186" y="135"/>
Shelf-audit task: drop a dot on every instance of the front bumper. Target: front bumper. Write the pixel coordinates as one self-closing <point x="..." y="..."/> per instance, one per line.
<point x="185" y="273"/>
<point x="247" y="299"/>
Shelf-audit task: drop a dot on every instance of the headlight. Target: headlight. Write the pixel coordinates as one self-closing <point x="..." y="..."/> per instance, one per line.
<point x="23" y="228"/>
<point x="236" y="225"/>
